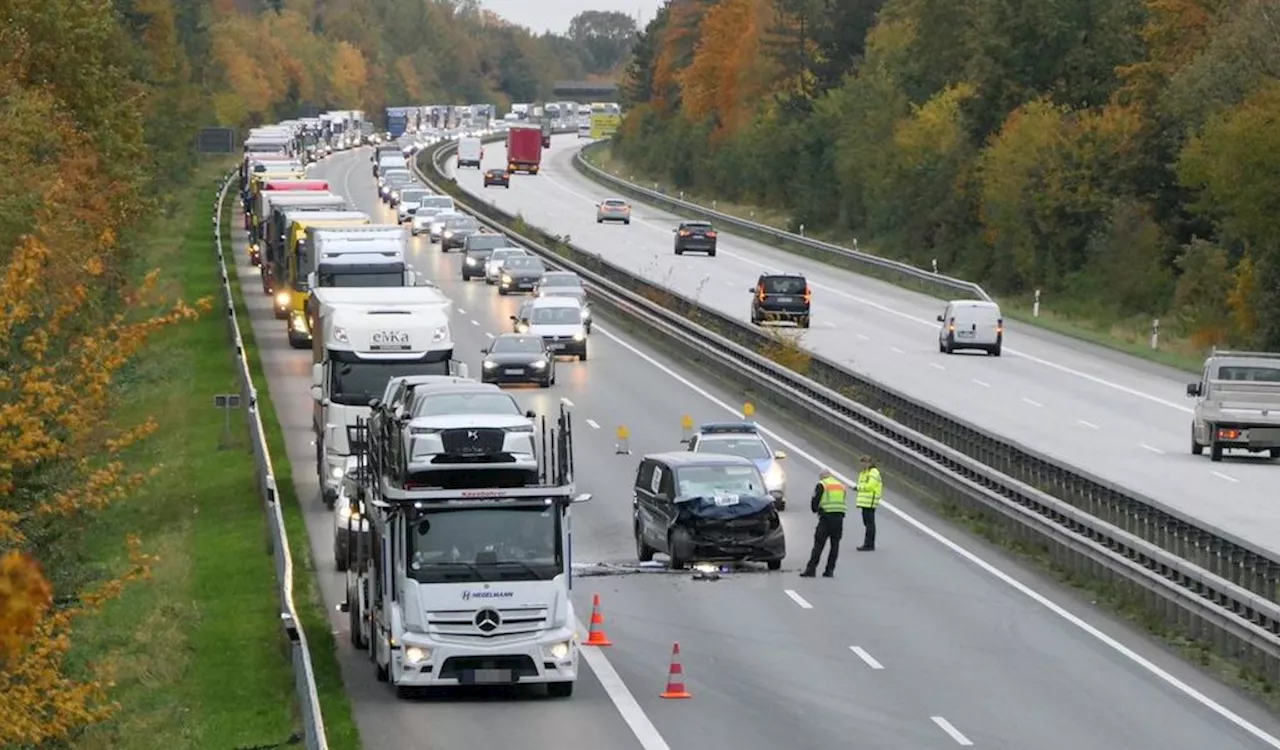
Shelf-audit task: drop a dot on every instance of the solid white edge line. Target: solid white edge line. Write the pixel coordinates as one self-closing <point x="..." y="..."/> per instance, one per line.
<point x="799" y="600"/>
<point x="987" y="567"/>
<point x="594" y="424"/>
<point x="863" y="655"/>
<point x="628" y="707"/>
<point x="951" y="731"/>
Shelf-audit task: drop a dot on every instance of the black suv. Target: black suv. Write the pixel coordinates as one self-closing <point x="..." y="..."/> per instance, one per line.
<point x="781" y="296"/>
<point x="695" y="237"/>
<point x="479" y="247"/>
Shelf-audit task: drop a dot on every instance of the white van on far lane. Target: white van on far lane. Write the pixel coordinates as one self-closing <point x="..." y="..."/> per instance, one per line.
<point x="470" y="152"/>
<point x="971" y="324"/>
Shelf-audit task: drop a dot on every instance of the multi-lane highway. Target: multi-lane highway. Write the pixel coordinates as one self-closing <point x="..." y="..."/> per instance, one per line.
<point x="1117" y="417"/>
<point x="922" y="644"/>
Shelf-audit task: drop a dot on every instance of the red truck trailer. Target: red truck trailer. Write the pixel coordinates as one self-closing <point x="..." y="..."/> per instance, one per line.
<point x="524" y="148"/>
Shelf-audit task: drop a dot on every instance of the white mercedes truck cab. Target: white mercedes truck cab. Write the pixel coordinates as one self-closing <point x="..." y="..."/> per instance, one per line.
<point x="357" y="349"/>
<point x="464" y="579"/>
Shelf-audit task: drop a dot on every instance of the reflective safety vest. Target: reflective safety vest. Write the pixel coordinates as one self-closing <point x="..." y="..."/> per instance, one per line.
<point x="869" y="488"/>
<point x="832" y="497"/>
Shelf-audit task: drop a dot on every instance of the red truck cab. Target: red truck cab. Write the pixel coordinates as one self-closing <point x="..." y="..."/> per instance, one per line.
<point x="524" y="149"/>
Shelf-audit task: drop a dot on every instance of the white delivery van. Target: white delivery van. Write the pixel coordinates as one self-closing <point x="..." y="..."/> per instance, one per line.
<point x="470" y="152"/>
<point x="971" y="324"/>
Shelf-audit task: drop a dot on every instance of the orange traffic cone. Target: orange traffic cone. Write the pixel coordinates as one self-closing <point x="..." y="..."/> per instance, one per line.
<point x="675" y="677"/>
<point x="595" y="632"/>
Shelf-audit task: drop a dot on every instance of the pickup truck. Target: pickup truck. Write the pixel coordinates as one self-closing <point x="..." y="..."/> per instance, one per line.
<point x="1237" y="404"/>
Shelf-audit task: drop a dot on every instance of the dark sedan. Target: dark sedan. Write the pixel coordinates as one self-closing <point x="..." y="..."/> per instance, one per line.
<point x="695" y="237"/>
<point x="520" y="274"/>
<point x="518" y="358"/>
<point x="497" y="178"/>
<point x="456" y="231"/>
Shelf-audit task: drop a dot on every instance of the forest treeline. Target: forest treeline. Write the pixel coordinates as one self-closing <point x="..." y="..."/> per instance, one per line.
<point x="1121" y="155"/>
<point x="100" y="102"/>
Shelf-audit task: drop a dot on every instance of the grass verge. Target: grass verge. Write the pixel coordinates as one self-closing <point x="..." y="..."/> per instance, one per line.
<point x="196" y="654"/>
<point x="340" y="723"/>
<point x="1130" y="336"/>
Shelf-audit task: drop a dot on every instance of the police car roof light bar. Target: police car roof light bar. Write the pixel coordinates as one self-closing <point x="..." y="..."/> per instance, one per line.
<point x="710" y="428"/>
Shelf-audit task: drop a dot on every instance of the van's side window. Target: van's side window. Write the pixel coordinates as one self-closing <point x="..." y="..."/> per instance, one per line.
<point x="656" y="482"/>
<point x="644" y="474"/>
<point x="668" y="487"/>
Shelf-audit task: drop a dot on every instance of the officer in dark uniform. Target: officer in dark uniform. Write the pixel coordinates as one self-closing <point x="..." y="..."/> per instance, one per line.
<point x="830" y="504"/>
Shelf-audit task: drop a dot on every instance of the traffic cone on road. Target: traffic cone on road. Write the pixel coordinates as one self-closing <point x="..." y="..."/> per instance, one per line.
<point x="595" y="632"/>
<point x="675" y="677"/>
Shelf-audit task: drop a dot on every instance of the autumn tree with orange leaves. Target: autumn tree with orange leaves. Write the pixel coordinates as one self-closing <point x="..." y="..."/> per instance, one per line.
<point x="70" y="319"/>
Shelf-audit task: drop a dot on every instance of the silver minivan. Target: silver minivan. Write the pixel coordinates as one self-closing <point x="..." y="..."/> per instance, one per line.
<point x="971" y="324"/>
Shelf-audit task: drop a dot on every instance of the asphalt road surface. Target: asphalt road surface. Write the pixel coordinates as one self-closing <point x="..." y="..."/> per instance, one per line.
<point x="1120" y="418"/>
<point x="923" y="644"/>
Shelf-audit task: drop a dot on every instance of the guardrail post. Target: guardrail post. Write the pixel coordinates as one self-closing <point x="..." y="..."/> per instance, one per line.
<point x="1035" y="306"/>
<point x="935" y="265"/>
<point x="1155" y="333"/>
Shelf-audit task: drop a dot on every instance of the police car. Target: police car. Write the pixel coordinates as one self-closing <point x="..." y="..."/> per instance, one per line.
<point x="744" y="439"/>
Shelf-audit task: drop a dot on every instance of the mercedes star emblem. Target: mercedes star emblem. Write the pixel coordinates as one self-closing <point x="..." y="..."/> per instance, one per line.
<point x="487" y="620"/>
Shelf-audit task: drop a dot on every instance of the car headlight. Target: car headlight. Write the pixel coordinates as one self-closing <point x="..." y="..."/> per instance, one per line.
<point x="506" y="279"/>
<point x="337" y="472"/>
<point x="560" y="650"/>
<point x="416" y="655"/>
<point x="522" y="328"/>
<point x="775" y="477"/>
<point x="488" y="365"/>
<point x="440" y="334"/>
<point x="282" y="299"/>
<point x="471" y="261"/>
<point x="540" y="364"/>
<point x="579" y="336"/>
<point x="448" y="234"/>
<point x="345" y="512"/>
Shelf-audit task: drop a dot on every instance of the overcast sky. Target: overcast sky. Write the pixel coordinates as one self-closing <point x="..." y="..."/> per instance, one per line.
<point x="554" y="15"/>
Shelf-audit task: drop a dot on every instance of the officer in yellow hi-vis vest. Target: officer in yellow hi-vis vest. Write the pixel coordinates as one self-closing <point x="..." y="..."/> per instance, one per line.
<point x="870" y="487"/>
<point x="830" y="504"/>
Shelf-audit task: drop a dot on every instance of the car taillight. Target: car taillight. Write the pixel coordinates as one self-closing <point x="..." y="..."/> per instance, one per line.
<point x="684" y="232"/>
<point x="760" y="292"/>
<point x="808" y="295"/>
<point x="712" y="235"/>
<point x="1000" y="327"/>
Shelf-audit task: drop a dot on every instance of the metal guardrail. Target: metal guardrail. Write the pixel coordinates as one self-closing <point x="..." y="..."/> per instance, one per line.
<point x="1211" y="588"/>
<point x="903" y="274"/>
<point x="304" y="674"/>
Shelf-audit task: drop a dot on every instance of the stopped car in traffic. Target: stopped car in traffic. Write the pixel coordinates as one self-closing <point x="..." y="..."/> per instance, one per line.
<point x="518" y="358"/>
<point x="477" y="248"/>
<point x="493" y="266"/>
<point x="705" y="508"/>
<point x="613" y="209"/>
<point x="456" y="230"/>
<point x="428" y="209"/>
<point x="559" y="321"/>
<point x="781" y="297"/>
<point x="497" y="178"/>
<point x="520" y="274"/>
<point x="695" y="237"/>
<point x="394" y="187"/>
<point x="350" y="527"/>
<point x="743" y="439"/>
<point x="410" y="200"/>
<point x="436" y="231"/>
<point x="565" y="284"/>
<point x="971" y="324"/>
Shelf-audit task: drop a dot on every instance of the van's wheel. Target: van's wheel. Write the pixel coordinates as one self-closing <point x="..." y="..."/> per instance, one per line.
<point x="1215" y="451"/>
<point x="678" y="544"/>
<point x="560" y="689"/>
<point x="1275" y="452"/>
<point x="1196" y="448"/>
<point x="996" y="351"/>
<point x="775" y="565"/>
<point x="644" y="552"/>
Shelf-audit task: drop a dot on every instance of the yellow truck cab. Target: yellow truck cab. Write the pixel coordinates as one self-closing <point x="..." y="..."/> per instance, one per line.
<point x="300" y="264"/>
<point x="256" y="183"/>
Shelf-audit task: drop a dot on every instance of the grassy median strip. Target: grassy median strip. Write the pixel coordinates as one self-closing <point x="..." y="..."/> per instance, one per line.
<point x="196" y="653"/>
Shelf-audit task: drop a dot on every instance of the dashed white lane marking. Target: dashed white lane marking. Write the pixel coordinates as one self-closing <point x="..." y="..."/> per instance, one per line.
<point x="1151" y="448"/>
<point x="1220" y="475"/>
<point x="1090" y="425"/>
<point x="1036" y="404"/>
<point x="896" y="350"/>
<point x="1146" y="664"/>
<point x="475" y="322"/>
<point x="594" y="425"/>
<point x="799" y="600"/>
<point x="951" y="731"/>
<point x="863" y="655"/>
<point x="643" y="729"/>
<point x="937" y="366"/>
<point x="490" y="335"/>
<point x="862" y="337"/>
<point x="461" y="311"/>
<point x="982" y="383"/>
<point x="566" y="402"/>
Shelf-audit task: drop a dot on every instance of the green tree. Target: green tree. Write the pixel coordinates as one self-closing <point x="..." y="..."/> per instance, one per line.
<point x="603" y="38"/>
